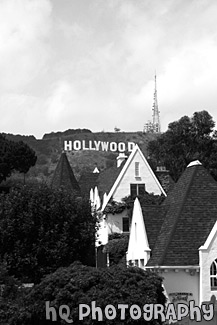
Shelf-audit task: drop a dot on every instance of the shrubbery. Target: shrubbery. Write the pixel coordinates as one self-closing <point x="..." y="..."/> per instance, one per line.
<point x="42" y="229"/>
<point x="78" y="284"/>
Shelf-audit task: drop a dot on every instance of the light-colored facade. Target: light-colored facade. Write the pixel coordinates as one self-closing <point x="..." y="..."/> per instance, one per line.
<point x="208" y="266"/>
<point x="191" y="273"/>
<point x="193" y="280"/>
<point x="136" y="174"/>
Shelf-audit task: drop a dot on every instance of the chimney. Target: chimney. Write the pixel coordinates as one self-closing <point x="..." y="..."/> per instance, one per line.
<point x="162" y="169"/>
<point x="121" y="157"/>
<point x="164" y="178"/>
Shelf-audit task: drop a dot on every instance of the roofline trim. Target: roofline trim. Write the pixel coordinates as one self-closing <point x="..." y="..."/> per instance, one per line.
<point x="173" y="267"/>
<point x="209" y="239"/>
<point x="122" y="172"/>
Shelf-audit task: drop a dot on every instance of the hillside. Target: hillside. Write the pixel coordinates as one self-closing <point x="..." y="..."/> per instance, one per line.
<point x="49" y="148"/>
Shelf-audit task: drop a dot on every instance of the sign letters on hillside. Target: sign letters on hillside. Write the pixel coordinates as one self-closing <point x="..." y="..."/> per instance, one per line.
<point x="98" y="145"/>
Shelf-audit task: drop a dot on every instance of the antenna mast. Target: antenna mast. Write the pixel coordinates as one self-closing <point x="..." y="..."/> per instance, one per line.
<point x="154" y="126"/>
<point x="156" y="113"/>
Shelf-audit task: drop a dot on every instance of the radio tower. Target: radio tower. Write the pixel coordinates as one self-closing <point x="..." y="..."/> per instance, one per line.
<point x="156" y="113"/>
<point x="154" y="126"/>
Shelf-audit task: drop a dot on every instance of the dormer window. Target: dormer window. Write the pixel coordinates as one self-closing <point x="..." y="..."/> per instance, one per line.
<point x="137" y="169"/>
<point x="137" y="190"/>
<point x="213" y="275"/>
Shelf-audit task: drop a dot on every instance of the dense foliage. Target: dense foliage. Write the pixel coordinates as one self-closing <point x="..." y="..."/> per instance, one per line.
<point x="127" y="202"/>
<point x="15" y="156"/>
<point x="186" y="140"/>
<point x="145" y="199"/>
<point x="117" y="248"/>
<point x="80" y="284"/>
<point x="65" y="133"/>
<point x="42" y="229"/>
<point x="10" y="295"/>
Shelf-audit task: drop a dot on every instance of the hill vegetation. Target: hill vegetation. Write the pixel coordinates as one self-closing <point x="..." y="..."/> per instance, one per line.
<point x="49" y="148"/>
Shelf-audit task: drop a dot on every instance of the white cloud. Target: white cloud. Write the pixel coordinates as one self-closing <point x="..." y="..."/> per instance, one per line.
<point x="60" y="103"/>
<point x="24" y="28"/>
<point x="71" y="64"/>
<point x="21" y="114"/>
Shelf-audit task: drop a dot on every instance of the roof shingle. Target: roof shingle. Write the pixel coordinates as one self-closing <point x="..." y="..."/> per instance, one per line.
<point x="64" y="176"/>
<point x="191" y="213"/>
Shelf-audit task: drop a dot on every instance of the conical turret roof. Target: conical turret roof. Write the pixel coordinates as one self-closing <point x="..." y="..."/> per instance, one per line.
<point x="64" y="176"/>
<point x="191" y="215"/>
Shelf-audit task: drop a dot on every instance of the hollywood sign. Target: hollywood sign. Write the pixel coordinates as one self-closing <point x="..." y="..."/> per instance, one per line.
<point x="98" y="145"/>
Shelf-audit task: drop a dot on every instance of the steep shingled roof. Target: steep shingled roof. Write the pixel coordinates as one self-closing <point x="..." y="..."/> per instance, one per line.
<point x="104" y="180"/>
<point x="64" y="176"/>
<point x="153" y="216"/>
<point x="107" y="178"/>
<point x="191" y="213"/>
<point x="87" y="181"/>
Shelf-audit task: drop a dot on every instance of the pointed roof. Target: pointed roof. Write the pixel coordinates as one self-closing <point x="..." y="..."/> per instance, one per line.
<point x="191" y="214"/>
<point x="97" y="201"/>
<point x="108" y="177"/>
<point x="96" y="170"/>
<point x="138" y="241"/>
<point x="64" y="176"/>
<point x="125" y="167"/>
<point x="88" y="181"/>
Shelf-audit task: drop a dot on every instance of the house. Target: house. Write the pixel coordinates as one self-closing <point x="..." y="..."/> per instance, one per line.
<point x="132" y="177"/>
<point x="179" y="238"/>
<point x="135" y="177"/>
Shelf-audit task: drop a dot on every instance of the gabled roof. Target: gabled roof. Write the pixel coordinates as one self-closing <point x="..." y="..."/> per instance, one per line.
<point x="64" y="176"/>
<point x="103" y="180"/>
<point x="87" y="181"/>
<point x="191" y="214"/>
<point x="107" y="178"/>
<point x="125" y="167"/>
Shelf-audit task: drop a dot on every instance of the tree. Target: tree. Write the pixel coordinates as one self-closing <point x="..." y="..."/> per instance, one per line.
<point x="80" y="284"/>
<point x="117" y="248"/>
<point x="24" y="157"/>
<point x="42" y="229"/>
<point x="15" y="156"/>
<point x="10" y="295"/>
<point x="185" y="140"/>
<point x="5" y="162"/>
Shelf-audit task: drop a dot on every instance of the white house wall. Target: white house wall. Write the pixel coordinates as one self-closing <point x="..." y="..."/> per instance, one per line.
<point x="207" y="256"/>
<point x="181" y="282"/>
<point x="146" y="176"/>
<point x="114" y="222"/>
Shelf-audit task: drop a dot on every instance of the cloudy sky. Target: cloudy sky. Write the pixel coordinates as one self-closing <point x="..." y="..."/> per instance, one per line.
<point x="91" y="63"/>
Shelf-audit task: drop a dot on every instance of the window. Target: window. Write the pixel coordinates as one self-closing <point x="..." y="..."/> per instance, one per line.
<point x="137" y="190"/>
<point x="137" y="171"/>
<point x="125" y="224"/>
<point x="213" y="275"/>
